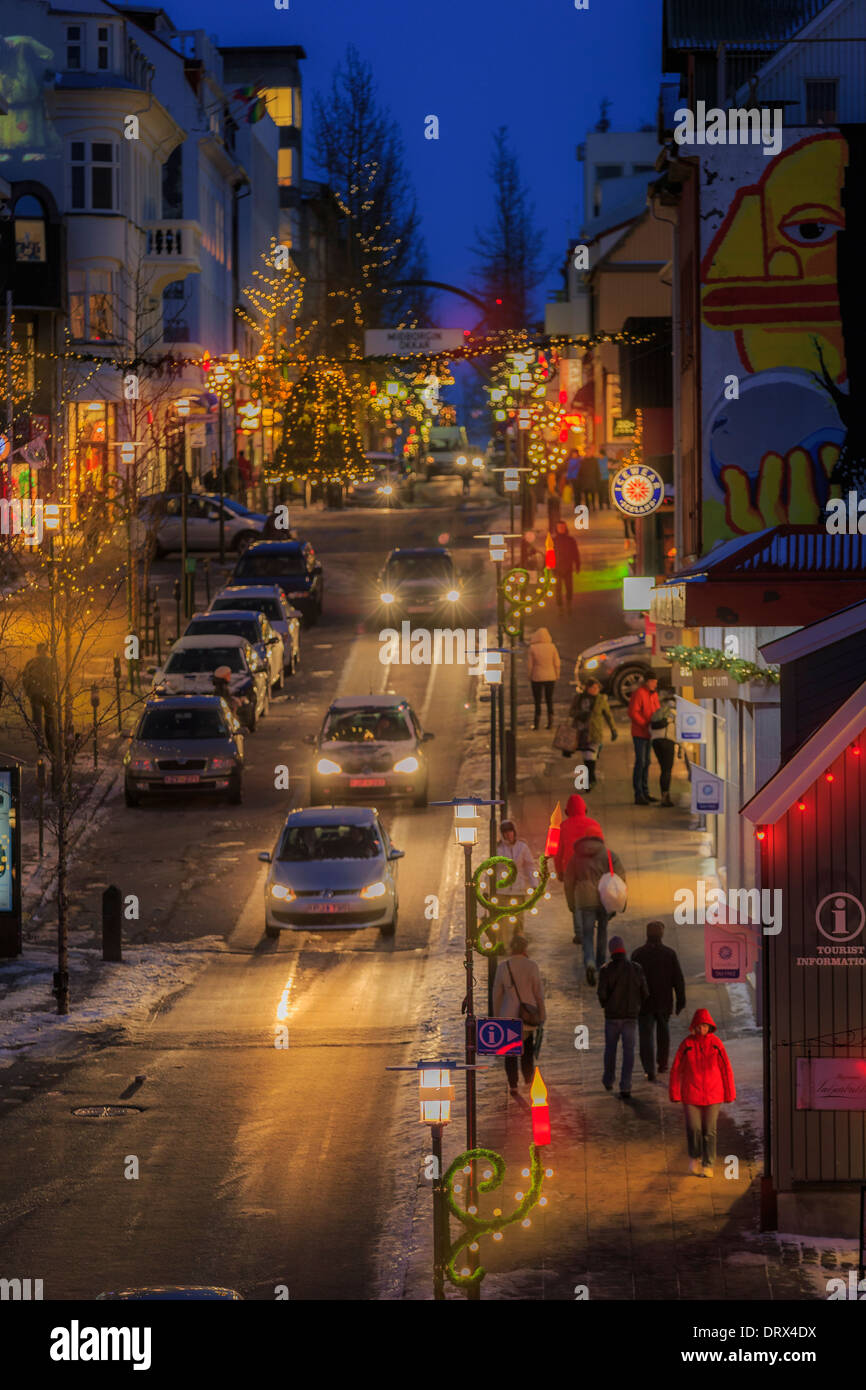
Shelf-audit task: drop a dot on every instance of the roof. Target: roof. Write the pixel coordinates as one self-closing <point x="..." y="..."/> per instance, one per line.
<point x="183" y="701"/>
<point x="815" y="636"/>
<point x="221" y="614"/>
<point x="332" y="815"/>
<point x="843" y="727"/>
<point x="795" y="551"/>
<point x="223" y="639"/>
<point x="369" y="702"/>
<point x="420" y="550"/>
<point x="275" y="547"/>
<point x="744" y="24"/>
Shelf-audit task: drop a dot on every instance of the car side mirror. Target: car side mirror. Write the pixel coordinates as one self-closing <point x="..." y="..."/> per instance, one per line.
<point x="396" y="853"/>
<point x="264" y="857"/>
<point x="425" y="738"/>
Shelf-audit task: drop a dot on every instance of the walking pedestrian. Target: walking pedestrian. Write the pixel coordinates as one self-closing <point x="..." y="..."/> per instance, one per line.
<point x="667" y="989"/>
<point x="37" y="679"/>
<point x="702" y="1079"/>
<point x="554" y="501"/>
<point x="589" y="712"/>
<point x="211" y="479"/>
<point x="518" y="993"/>
<point x="543" y="665"/>
<point x="641" y="708"/>
<point x="622" y="988"/>
<point x="604" y="480"/>
<point x="518" y="851"/>
<point x="567" y="563"/>
<point x="576" y="826"/>
<point x="590" y="859"/>
<point x="588" y="481"/>
<point x="664" y="745"/>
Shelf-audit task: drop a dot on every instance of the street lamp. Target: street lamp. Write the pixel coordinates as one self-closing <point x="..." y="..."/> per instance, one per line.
<point x="223" y="383"/>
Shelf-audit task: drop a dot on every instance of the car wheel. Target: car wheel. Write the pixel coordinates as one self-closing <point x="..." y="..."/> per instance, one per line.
<point x="130" y="798"/>
<point x="280" y="682"/>
<point x="251" y="719"/>
<point x="242" y="540"/>
<point x="626" y="681"/>
<point x="266" y="700"/>
<point x="390" y="927"/>
<point x="272" y="933"/>
<point x="420" y="798"/>
<point x="236" y="791"/>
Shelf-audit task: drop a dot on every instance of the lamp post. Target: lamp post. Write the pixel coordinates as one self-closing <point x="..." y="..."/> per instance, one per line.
<point x="222" y="381"/>
<point x="435" y="1094"/>
<point x="182" y="409"/>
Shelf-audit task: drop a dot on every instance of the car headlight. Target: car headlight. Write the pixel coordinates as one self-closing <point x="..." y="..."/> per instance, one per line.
<point x="327" y="765"/>
<point x="595" y="661"/>
<point x="406" y="765"/>
<point x="386" y="597"/>
<point x="461" y="462"/>
<point x="283" y="892"/>
<point x="387" y="490"/>
<point x="374" y="890"/>
<point x="453" y="595"/>
<point x="477" y="463"/>
<point x="221" y="764"/>
<point x="140" y="765"/>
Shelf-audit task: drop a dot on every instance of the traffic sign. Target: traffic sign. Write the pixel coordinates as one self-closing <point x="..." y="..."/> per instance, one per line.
<point x="499" y="1036"/>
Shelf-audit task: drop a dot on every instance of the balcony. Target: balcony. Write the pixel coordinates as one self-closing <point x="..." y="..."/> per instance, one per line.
<point x="172" y="251"/>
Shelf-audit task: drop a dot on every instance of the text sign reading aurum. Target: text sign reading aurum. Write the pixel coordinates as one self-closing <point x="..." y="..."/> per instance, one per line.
<point x="380" y="342"/>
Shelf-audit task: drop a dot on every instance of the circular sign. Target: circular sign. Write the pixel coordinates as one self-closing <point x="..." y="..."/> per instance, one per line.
<point x="491" y="1033"/>
<point x="844" y="918"/>
<point x="4" y="447"/>
<point x="637" y="490"/>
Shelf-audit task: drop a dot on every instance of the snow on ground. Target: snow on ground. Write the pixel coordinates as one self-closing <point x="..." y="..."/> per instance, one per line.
<point x="112" y="994"/>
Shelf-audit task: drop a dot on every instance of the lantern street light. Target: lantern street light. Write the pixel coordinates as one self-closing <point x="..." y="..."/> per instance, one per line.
<point x="435" y="1094"/>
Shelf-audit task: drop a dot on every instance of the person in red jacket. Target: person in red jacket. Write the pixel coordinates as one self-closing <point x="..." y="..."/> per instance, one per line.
<point x="641" y="708"/>
<point x="702" y="1079"/>
<point x="576" y="826"/>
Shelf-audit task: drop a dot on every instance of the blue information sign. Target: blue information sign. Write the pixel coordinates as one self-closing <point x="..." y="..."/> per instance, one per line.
<point x="498" y="1037"/>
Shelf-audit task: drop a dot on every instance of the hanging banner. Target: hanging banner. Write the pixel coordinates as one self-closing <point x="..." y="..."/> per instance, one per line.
<point x="708" y="792"/>
<point x="691" y="722"/>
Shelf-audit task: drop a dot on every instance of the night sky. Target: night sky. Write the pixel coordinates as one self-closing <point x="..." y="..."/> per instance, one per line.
<point x="541" y="67"/>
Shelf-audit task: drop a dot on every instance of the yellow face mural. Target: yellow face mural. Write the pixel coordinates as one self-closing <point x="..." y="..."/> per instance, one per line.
<point x="769" y="274"/>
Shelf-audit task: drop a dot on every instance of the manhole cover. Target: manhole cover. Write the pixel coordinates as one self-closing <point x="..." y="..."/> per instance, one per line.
<point x="105" y="1112"/>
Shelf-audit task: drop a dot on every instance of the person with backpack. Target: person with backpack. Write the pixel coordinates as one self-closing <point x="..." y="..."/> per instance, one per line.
<point x="576" y="826"/>
<point x="702" y="1079"/>
<point x="589" y="713"/>
<point x="622" y="989"/>
<point x="518" y="993"/>
<point x="667" y="989"/>
<point x="590" y="864"/>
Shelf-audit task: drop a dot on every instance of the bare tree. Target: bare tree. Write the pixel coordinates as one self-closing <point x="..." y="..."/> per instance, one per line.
<point x="509" y="266"/>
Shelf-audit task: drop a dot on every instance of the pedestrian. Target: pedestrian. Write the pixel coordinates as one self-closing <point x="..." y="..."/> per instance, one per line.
<point x="590" y="859"/>
<point x="554" y="501"/>
<point x="641" y="708"/>
<point x="622" y="989"/>
<point x="211" y="479"/>
<point x="518" y="851"/>
<point x="588" y="481"/>
<point x="176" y="479"/>
<point x="667" y="989"/>
<point x="572" y="470"/>
<point x="589" y="712"/>
<point x="37" y="679"/>
<point x="543" y="665"/>
<point x="702" y="1079"/>
<point x="576" y="826"/>
<point x="518" y="993"/>
<point x="233" y="478"/>
<point x="567" y="563"/>
<point x="245" y="472"/>
<point x="662" y="727"/>
<point x="604" y="480"/>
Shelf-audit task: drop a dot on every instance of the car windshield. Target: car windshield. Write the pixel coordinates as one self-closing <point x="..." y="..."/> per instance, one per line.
<point x="234" y="627"/>
<point x="367" y="726"/>
<point x="302" y="843"/>
<point x="434" y="567"/>
<point x="182" y="723"/>
<point x="288" y="568"/>
<point x="269" y="606"/>
<point x="193" y="659"/>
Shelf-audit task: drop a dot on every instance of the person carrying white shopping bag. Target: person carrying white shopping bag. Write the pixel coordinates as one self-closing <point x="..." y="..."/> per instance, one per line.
<point x="595" y="890"/>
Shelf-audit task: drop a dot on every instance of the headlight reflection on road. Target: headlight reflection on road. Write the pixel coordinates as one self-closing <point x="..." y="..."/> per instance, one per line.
<point x="283" y="1006"/>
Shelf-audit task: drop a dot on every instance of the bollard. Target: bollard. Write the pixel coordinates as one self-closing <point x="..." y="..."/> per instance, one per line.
<point x="176" y="592"/>
<point x="157" y="640"/>
<point x="94" y="701"/>
<point x="117" y="694"/>
<point x="112" y="939"/>
<point x="40" y="784"/>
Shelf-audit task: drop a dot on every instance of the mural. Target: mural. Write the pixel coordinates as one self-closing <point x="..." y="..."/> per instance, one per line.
<point x="772" y="348"/>
<point x="26" y="67"/>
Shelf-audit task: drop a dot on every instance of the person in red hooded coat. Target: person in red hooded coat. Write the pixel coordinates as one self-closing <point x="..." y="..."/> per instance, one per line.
<point x="702" y="1079"/>
<point x="576" y="826"/>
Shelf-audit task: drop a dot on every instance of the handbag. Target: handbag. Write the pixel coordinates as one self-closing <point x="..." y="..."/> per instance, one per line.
<point x="612" y="890"/>
<point x="566" y="738"/>
<point x="528" y="1013"/>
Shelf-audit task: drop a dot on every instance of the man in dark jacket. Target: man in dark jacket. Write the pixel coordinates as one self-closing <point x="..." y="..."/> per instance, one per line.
<point x="588" y="863"/>
<point x="622" y="989"/>
<point x="666" y="987"/>
<point x="567" y="563"/>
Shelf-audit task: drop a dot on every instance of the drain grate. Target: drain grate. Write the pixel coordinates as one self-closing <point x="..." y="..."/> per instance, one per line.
<point x="105" y="1112"/>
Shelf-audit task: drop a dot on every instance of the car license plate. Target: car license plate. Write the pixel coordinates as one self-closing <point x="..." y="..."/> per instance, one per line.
<point x="183" y="777"/>
<point x="324" y="907"/>
<point x="367" y="782"/>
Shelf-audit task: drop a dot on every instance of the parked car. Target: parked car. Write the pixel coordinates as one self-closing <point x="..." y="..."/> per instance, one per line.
<point x="238" y="508"/>
<point x="160" y="515"/>
<point x="270" y="600"/>
<point x="332" y="869"/>
<point x="291" y="564"/>
<point x="369" y="743"/>
<point x="421" y="582"/>
<point x="190" y="667"/>
<point x="184" y="743"/>
<point x="238" y="622"/>
<point x="620" y="664"/>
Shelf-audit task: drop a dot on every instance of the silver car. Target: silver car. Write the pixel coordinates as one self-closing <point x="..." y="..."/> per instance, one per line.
<point x="369" y="745"/>
<point x="190" y="667"/>
<point x="270" y="600"/>
<point x="332" y="869"/>
<point x="185" y="743"/>
<point x="240" y="622"/>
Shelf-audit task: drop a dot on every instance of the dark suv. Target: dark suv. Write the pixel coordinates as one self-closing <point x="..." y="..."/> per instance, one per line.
<point x="292" y="565"/>
<point x="421" y="583"/>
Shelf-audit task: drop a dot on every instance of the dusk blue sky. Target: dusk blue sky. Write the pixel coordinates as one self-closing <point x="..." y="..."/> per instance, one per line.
<point x="541" y="67"/>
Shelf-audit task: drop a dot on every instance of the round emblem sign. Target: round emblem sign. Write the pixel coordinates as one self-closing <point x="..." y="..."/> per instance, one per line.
<point x="638" y="490"/>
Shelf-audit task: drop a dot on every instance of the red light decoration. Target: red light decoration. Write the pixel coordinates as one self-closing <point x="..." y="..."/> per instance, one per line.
<point x="373" y="388"/>
<point x="856" y="749"/>
<point x="540" y="1111"/>
<point x="801" y="805"/>
<point x="760" y="833"/>
<point x="829" y="777"/>
<point x="553" y="832"/>
<point x="549" y="552"/>
<point x="563" y="436"/>
<point x="466" y="333"/>
<point x="563" y="397"/>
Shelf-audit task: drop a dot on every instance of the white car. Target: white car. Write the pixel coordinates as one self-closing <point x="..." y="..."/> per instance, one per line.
<point x="190" y="666"/>
<point x="270" y="600"/>
<point x="239" y="622"/>
<point x="160" y="516"/>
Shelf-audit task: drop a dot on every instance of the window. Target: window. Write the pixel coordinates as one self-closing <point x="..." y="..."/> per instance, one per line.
<point x="93" y="183"/>
<point x="29" y="230"/>
<point x="172" y="184"/>
<point x="285" y="167"/>
<point x="608" y="171"/>
<point x="103" y="47"/>
<point x="821" y="102"/>
<point x="74" y="47"/>
<point x="91" y="317"/>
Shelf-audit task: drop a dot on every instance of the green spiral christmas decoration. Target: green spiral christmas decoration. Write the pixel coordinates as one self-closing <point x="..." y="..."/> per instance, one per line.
<point x="475" y="1225"/>
<point x="520" y="599"/>
<point x="496" y="909"/>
